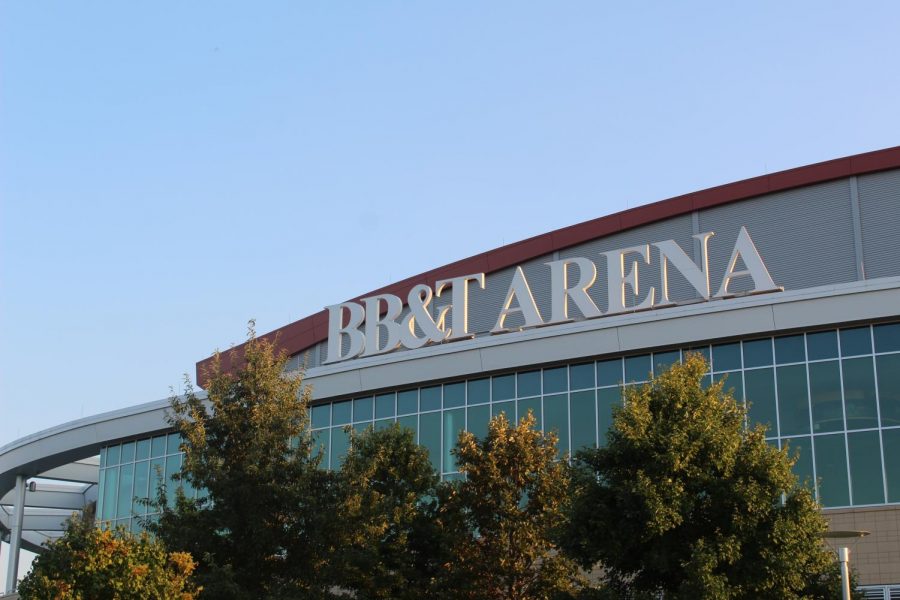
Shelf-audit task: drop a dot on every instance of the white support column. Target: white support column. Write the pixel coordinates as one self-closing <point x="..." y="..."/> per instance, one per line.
<point x="15" y="536"/>
<point x="844" y="558"/>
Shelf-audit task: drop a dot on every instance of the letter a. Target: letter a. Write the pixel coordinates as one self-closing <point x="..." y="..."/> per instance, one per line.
<point x="519" y="291"/>
<point x="756" y="269"/>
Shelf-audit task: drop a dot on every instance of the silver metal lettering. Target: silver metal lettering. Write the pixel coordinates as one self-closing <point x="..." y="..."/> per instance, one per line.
<point x="337" y="331"/>
<point x="617" y="279"/>
<point x="418" y="300"/>
<point x="521" y="293"/>
<point x="697" y="276"/>
<point x="375" y="323"/>
<point x="459" y="316"/>
<point x="561" y="293"/>
<point x="745" y="249"/>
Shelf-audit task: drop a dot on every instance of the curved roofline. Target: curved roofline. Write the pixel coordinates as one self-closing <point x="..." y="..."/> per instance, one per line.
<point x="51" y="453"/>
<point x="303" y="334"/>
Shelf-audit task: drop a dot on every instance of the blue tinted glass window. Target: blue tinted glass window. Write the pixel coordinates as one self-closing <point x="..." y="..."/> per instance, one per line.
<point x="508" y="408"/>
<point x="430" y="398"/>
<point x="173" y="466"/>
<point x="859" y="393"/>
<point x="126" y="480"/>
<point x="173" y="443"/>
<point x="110" y="486"/>
<point x="141" y="484"/>
<point x="528" y="384"/>
<point x="889" y="388"/>
<point x="477" y="418"/>
<point x="887" y="338"/>
<point x="410" y="422"/>
<point x="454" y="423"/>
<point x="454" y="394"/>
<point x="321" y="415"/>
<point x="608" y="399"/>
<point x="821" y="345"/>
<point x="801" y="449"/>
<point x="733" y="384"/>
<point x="584" y="420"/>
<point x="790" y="349"/>
<point x="340" y="414"/>
<point x="637" y="368"/>
<point x="831" y="468"/>
<point x="430" y="437"/>
<point x="825" y="395"/>
<point x="609" y="372"/>
<point x="320" y="442"/>
<point x="533" y="405"/>
<point x="663" y="360"/>
<point x="556" y="380"/>
<point x="864" y="450"/>
<point x="556" y="420"/>
<point x="478" y="391"/>
<point x="581" y="376"/>
<point x="362" y="409"/>
<point x="759" y="389"/>
<point x="793" y="399"/>
<point x="503" y="387"/>
<point x="407" y="402"/>
<point x="340" y="443"/>
<point x="384" y="405"/>
<point x="112" y="455"/>
<point x="142" y="451"/>
<point x="127" y="452"/>
<point x="891" y="440"/>
<point x="726" y="357"/>
<point x="856" y="341"/>
<point x="757" y="353"/>
<point x="157" y="474"/>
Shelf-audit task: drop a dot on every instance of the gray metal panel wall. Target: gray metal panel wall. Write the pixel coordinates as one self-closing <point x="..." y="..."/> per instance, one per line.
<point x="879" y="215"/>
<point x="805" y="236"/>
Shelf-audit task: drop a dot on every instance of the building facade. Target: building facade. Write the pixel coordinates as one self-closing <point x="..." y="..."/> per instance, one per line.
<point x="789" y="284"/>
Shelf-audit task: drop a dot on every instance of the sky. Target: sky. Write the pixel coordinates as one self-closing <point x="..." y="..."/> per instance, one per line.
<point x="169" y="171"/>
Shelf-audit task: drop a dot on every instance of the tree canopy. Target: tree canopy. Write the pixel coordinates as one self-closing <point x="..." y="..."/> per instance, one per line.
<point x="686" y="501"/>
<point x="394" y="547"/>
<point x="508" y="510"/>
<point x="88" y="563"/>
<point x="683" y="500"/>
<point x="265" y="527"/>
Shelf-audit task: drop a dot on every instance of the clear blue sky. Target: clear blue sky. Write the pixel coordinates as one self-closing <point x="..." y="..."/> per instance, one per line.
<point x="170" y="170"/>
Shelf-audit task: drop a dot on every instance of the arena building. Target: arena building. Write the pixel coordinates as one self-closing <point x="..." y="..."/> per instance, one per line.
<point x="788" y="283"/>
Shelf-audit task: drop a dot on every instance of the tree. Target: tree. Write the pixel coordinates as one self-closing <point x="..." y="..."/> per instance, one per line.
<point x="394" y="548"/>
<point x="507" y="510"/>
<point x="686" y="500"/>
<point x="87" y="563"/>
<point x="266" y="526"/>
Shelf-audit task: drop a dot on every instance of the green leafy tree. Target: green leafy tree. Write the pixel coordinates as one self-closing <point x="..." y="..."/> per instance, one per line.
<point x="266" y="525"/>
<point x="507" y="512"/>
<point x="87" y="563"/>
<point x="686" y="501"/>
<point x="394" y="549"/>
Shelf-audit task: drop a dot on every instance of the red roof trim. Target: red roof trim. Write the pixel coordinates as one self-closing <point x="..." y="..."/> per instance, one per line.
<point x="303" y="334"/>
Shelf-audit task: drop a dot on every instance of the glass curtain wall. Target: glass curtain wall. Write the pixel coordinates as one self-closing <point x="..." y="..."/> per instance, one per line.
<point x="132" y="471"/>
<point x="831" y="397"/>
